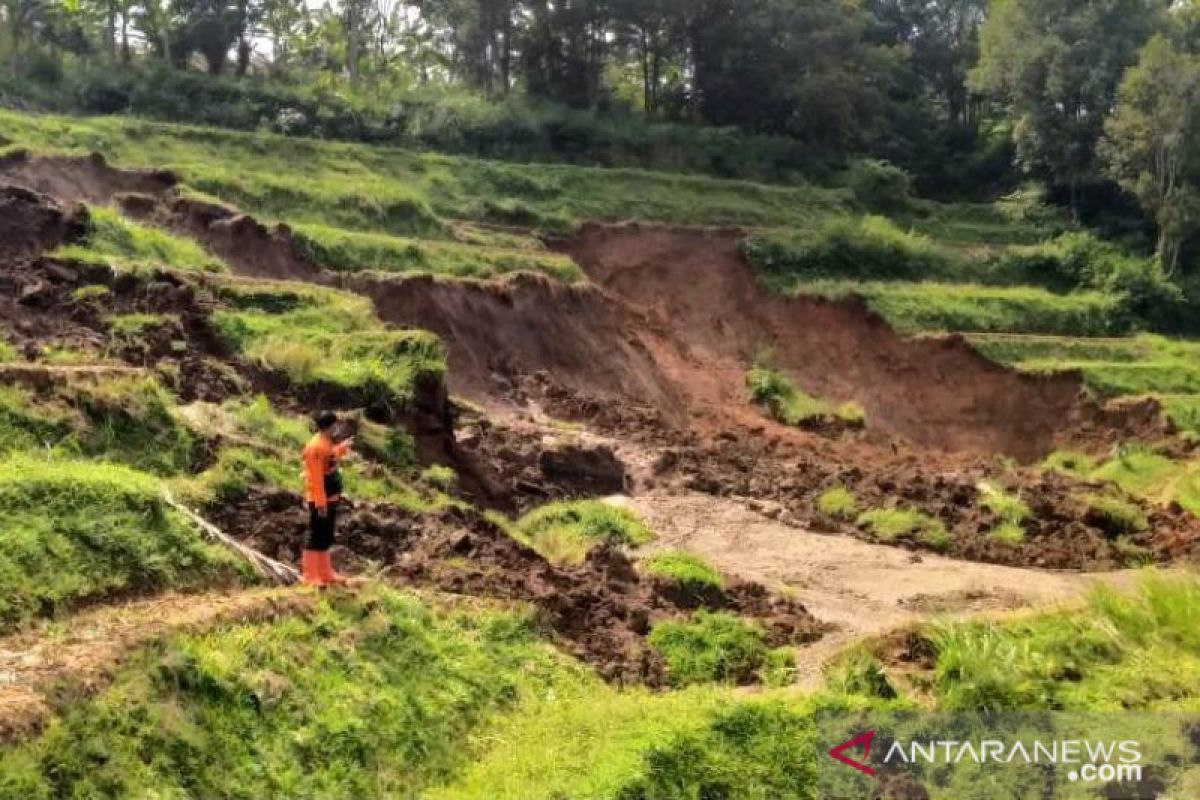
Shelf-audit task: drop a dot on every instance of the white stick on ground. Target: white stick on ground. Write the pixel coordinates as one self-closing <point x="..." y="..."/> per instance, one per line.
<point x="268" y="568"/>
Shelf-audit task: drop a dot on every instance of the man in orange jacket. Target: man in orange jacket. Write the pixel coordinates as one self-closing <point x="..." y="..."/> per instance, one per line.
<point x="323" y="493"/>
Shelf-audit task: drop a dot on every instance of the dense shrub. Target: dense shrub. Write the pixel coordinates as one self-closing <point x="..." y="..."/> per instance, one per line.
<point x="879" y="186"/>
<point x="860" y="248"/>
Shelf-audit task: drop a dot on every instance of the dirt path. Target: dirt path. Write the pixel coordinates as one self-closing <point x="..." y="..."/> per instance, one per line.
<point x="82" y="653"/>
<point x="862" y="588"/>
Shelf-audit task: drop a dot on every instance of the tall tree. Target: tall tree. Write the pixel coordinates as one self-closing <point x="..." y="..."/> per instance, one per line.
<point x="1150" y="144"/>
<point x="1055" y="66"/>
<point x="20" y="16"/>
<point x="653" y="31"/>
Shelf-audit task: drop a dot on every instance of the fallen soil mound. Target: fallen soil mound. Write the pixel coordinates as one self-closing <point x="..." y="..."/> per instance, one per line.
<point x="935" y="392"/>
<point x="1062" y="531"/>
<point x="601" y="610"/>
<point x="31" y="223"/>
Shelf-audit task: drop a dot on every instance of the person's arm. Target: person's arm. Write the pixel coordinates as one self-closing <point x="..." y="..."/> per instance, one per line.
<point x="314" y="475"/>
<point x="342" y="450"/>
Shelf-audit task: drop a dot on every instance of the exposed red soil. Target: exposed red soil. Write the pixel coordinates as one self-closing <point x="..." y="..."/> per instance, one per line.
<point x="935" y="392"/>
<point x="247" y="245"/>
<point x="656" y="353"/>
<point x="601" y="610"/>
<point x="500" y="331"/>
<point x="31" y="222"/>
<point x="75" y="179"/>
<point x="520" y="469"/>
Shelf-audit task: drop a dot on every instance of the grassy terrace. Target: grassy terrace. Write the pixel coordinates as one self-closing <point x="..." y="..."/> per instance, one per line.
<point x="407" y="193"/>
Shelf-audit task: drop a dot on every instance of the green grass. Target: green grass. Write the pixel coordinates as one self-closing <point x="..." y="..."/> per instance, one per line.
<point x="1010" y="510"/>
<point x="350" y="251"/>
<point x="565" y="533"/>
<point x="319" y="336"/>
<point x="963" y="307"/>
<point x="891" y="524"/>
<point x="125" y="420"/>
<point x="1122" y="652"/>
<point x="8" y="353"/>
<point x="1115" y="516"/>
<point x="263" y="447"/>
<point x="407" y="193"/>
<point x="127" y="246"/>
<point x="790" y="406"/>
<point x="1008" y="533"/>
<point x="689" y="573"/>
<point x="1133" y="366"/>
<point x="862" y="248"/>
<point x="1138" y="471"/>
<point x="370" y="696"/>
<point x="711" y="646"/>
<point x="75" y="531"/>
<point x="583" y="740"/>
<point x="838" y="503"/>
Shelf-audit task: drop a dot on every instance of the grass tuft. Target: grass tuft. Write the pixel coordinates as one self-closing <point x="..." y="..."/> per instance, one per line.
<point x="564" y="533"/>
<point x="890" y="524"/>
<point x="689" y="573"/>
<point x="711" y="646"/>
<point x="839" y="503"/>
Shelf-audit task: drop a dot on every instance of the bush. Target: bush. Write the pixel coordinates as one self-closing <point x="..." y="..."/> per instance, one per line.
<point x="839" y="503"/>
<point x="712" y="646"/>
<point x="691" y="574"/>
<point x="566" y="532"/>
<point x="518" y="128"/>
<point x="860" y="248"/>
<point x="880" y="186"/>
<point x="1079" y="260"/>
<point x="890" y="524"/>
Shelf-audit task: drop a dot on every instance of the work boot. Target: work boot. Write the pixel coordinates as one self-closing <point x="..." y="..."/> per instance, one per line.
<point x="312" y="571"/>
<point x="327" y="572"/>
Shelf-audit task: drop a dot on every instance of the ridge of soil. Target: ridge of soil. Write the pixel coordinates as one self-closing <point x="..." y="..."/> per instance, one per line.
<point x="600" y="611"/>
<point x="45" y="668"/>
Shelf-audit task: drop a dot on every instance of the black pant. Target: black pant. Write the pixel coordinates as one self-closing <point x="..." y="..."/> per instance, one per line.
<point x="320" y="529"/>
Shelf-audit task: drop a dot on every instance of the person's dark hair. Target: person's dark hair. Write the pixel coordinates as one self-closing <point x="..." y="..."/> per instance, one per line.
<point x="325" y="420"/>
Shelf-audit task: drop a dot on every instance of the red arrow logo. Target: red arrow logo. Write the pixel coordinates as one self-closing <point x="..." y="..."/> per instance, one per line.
<point x="863" y="739"/>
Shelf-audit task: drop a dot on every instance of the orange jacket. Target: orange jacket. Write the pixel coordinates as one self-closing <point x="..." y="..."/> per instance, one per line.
<point x="321" y="457"/>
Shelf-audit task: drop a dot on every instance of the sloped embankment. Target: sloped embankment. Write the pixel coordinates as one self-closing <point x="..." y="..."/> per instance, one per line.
<point x="936" y="392"/>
